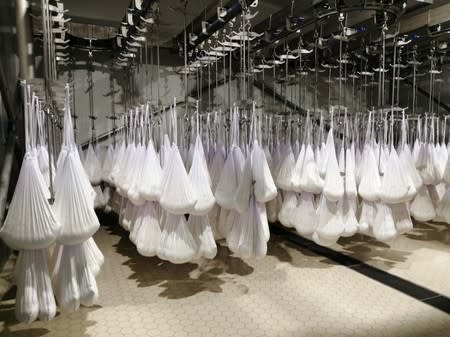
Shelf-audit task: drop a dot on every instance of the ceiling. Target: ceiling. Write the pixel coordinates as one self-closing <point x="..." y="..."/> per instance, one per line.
<point x="171" y="24"/>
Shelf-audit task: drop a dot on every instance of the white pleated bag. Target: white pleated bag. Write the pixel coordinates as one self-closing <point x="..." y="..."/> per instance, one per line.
<point x="30" y="222"/>
<point x="203" y="235"/>
<point x="229" y="178"/>
<point x="402" y="218"/>
<point x="148" y="234"/>
<point x="252" y="241"/>
<point x="333" y="187"/>
<point x="177" y="195"/>
<point x="73" y="205"/>
<point x="265" y="189"/>
<point x="394" y="187"/>
<point x="177" y="244"/>
<point x="93" y="166"/>
<point x="216" y="166"/>
<point x="330" y="225"/>
<point x="443" y="209"/>
<point x="369" y="187"/>
<point x="27" y="302"/>
<point x="384" y="225"/>
<point x="135" y="178"/>
<point x="304" y="216"/>
<point x="285" y="216"/>
<point x="244" y="191"/>
<point x="200" y="181"/>
<point x="422" y="208"/>
<point x="150" y="186"/>
<point x="284" y="176"/>
<point x="108" y="164"/>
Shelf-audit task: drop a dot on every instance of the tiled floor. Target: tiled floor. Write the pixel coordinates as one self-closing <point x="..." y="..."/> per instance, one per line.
<point x="291" y="292"/>
<point x="422" y="256"/>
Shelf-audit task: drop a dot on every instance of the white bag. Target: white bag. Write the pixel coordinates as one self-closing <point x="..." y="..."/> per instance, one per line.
<point x="149" y="234"/>
<point x="200" y="181"/>
<point x="27" y="304"/>
<point x="30" y="222"/>
<point x="369" y="187"/>
<point x="285" y="216"/>
<point x="422" y="208"/>
<point x="304" y="216"/>
<point x="93" y="166"/>
<point x="265" y="189"/>
<point x="150" y="187"/>
<point x="73" y="205"/>
<point x="203" y="235"/>
<point x="177" y="196"/>
<point x="177" y="244"/>
<point x="384" y="226"/>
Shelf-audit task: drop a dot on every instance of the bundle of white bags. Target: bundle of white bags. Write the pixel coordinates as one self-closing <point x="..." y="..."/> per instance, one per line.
<point x="177" y="202"/>
<point x="62" y="230"/>
<point x="374" y="188"/>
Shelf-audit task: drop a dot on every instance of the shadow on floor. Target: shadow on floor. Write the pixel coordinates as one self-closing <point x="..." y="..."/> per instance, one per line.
<point x="439" y="232"/>
<point x="365" y="248"/>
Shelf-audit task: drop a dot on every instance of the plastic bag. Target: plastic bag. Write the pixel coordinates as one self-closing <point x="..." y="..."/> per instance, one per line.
<point x="369" y="187"/>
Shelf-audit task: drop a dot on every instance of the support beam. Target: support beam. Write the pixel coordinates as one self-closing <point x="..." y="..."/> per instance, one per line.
<point x="24" y="40"/>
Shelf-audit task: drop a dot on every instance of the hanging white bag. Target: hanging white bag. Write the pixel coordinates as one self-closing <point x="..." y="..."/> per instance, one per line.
<point x="177" y="195"/>
<point x="94" y="256"/>
<point x="46" y="298"/>
<point x="133" y="191"/>
<point x="384" y="226"/>
<point x="330" y="222"/>
<point x="394" y="187"/>
<point x="148" y="235"/>
<point x="27" y="303"/>
<point x="229" y="178"/>
<point x="369" y="187"/>
<point x="108" y="163"/>
<point x="150" y="186"/>
<point x="350" y="173"/>
<point x="99" y="201"/>
<point x="367" y="216"/>
<point x="216" y="166"/>
<point x="422" y="208"/>
<point x="304" y="216"/>
<point x="200" y="181"/>
<point x="244" y="191"/>
<point x="202" y="233"/>
<point x="284" y="177"/>
<point x="402" y="218"/>
<point x="65" y="279"/>
<point x="252" y="238"/>
<point x="333" y="187"/>
<point x="73" y="206"/>
<point x="30" y="222"/>
<point x="93" y="166"/>
<point x="177" y="244"/>
<point x="443" y="209"/>
<point x="264" y="187"/>
<point x="285" y="216"/>
<point x="350" y="221"/>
